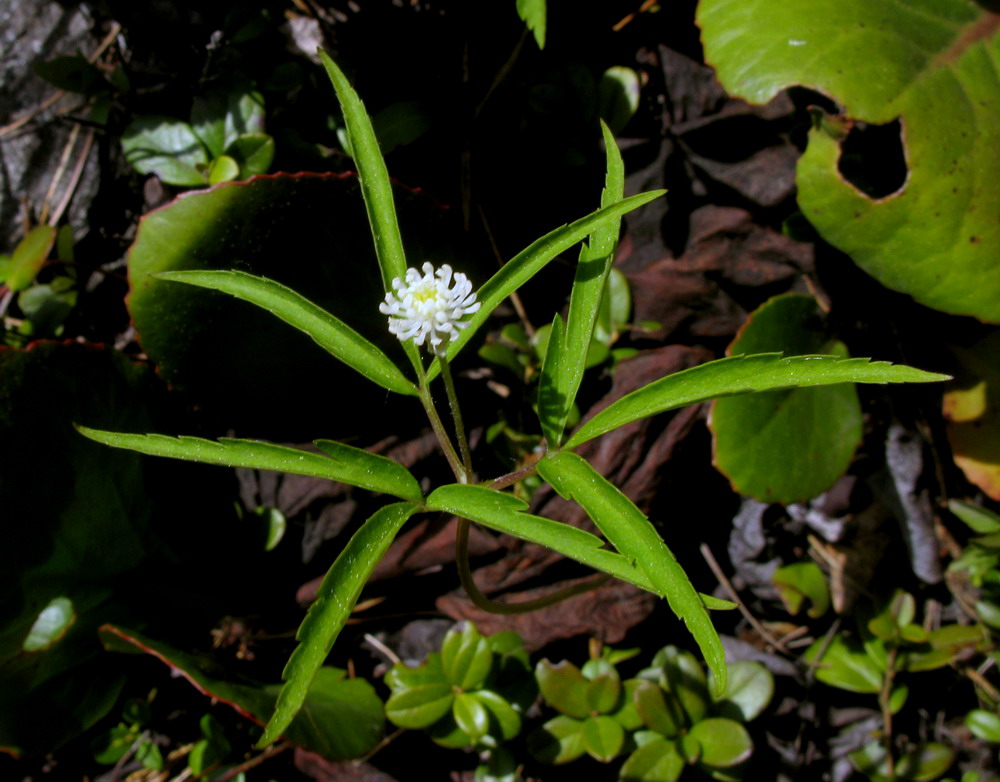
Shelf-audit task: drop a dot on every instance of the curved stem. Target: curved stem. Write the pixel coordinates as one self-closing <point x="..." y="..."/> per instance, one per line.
<point x="481" y="601"/>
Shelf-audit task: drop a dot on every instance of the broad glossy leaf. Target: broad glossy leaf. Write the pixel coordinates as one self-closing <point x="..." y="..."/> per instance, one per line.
<point x="420" y="706"/>
<point x="724" y="743"/>
<point x="742" y="375"/>
<point x="564" y="687"/>
<point x="631" y="533"/>
<point x="51" y="625"/>
<point x="928" y="761"/>
<point x="533" y="258"/>
<point x="603" y="738"/>
<point x="329" y="332"/>
<point x="800" y="581"/>
<point x="220" y="117"/>
<point x="604" y="692"/>
<point x="29" y="256"/>
<point x="984" y="724"/>
<point x="847" y="666"/>
<point x="166" y="147"/>
<point x="930" y="63"/>
<point x="750" y="689"/>
<point x="976" y="517"/>
<point x="560" y="740"/>
<point x="589" y="282"/>
<point x="466" y="658"/>
<point x="334" y="602"/>
<point x="368" y="473"/>
<point x="618" y="96"/>
<point x="656" y="760"/>
<point x="223" y="169"/>
<point x="253" y="152"/>
<point x="470" y="715"/>
<point x="659" y="709"/>
<point x="680" y="672"/>
<point x="340" y="717"/>
<point x="786" y="446"/>
<point x="502" y="714"/>
<point x="971" y="406"/>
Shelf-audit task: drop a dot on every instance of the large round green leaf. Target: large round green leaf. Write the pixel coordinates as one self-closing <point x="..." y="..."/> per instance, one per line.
<point x="306" y="231"/>
<point x="930" y="63"/>
<point x="786" y="446"/>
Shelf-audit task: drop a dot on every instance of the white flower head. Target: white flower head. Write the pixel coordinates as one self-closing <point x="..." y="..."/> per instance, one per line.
<point x="424" y="307"/>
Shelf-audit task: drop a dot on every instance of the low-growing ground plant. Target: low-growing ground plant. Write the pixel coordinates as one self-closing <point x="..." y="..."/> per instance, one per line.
<point x="435" y="311"/>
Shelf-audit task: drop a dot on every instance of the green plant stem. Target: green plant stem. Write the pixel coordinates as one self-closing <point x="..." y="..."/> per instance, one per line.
<point x="456" y="415"/>
<point x="440" y="432"/>
<point x="884" y="698"/>
<point x="481" y="601"/>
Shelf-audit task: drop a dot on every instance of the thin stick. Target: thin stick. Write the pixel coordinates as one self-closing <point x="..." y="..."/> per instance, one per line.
<point x="706" y="552"/>
<point x="74" y="179"/>
<point x="381" y="647"/>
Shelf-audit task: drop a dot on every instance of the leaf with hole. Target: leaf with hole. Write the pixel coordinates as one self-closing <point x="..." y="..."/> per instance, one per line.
<point x="929" y="65"/>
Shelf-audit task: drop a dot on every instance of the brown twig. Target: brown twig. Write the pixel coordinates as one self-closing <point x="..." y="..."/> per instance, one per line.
<point x="727" y="585"/>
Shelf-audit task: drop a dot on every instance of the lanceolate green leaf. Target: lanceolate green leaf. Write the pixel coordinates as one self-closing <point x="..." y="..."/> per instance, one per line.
<point x="337" y="595"/>
<point x="361" y="468"/>
<point x="743" y="375"/>
<point x="551" y="399"/>
<point x="505" y="513"/>
<point x="378" y="469"/>
<point x="329" y="332"/>
<point x="375" y="186"/>
<point x="527" y="263"/>
<point x="591" y="276"/>
<point x="625" y="526"/>
<point x="373" y="174"/>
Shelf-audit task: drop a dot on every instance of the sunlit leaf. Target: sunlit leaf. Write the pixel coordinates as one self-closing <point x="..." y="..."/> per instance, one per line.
<point x="506" y="513"/>
<point x="334" y="602"/>
<point x="931" y="64"/>
<point x="368" y="471"/>
<point x="166" y="147"/>
<point x="631" y="533"/>
<point x="527" y="263"/>
<point x="742" y="375"/>
<point x="592" y="271"/>
<point x="532" y="13"/>
<point x="792" y="445"/>
<point x="29" y="256"/>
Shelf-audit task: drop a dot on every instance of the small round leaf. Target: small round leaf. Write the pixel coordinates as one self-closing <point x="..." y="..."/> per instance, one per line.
<point x="603" y="738"/>
<point x="724" y="743"/>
